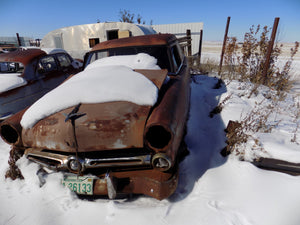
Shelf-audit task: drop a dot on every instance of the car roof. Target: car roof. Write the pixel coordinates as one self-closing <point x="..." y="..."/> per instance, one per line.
<point x="143" y="40"/>
<point x="23" y="56"/>
<point x="53" y="50"/>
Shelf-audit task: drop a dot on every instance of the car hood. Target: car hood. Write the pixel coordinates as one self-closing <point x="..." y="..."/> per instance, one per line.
<point x="103" y="126"/>
<point x="99" y="126"/>
<point x="95" y="85"/>
<point x="11" y="81"/>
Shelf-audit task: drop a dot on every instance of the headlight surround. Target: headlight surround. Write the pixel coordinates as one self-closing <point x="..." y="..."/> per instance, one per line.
<point x="157" y="137"/>
<point x="161" y="162"/>
<point x="75" y="164"/>
<point x="9" y="134"/>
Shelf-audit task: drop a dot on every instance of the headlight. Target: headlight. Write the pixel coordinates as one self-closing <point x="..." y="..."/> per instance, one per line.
<point x="9" y="134"/>
<point x="161" y="162"/>
<point x="157" y="137"/>
<point x="74" y="164"/>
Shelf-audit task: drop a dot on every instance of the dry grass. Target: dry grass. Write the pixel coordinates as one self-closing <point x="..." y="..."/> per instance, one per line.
<point x="297" y="122"/>
<point x="238" y="133"/>
<point x="13" y="171"/>
<point x="220" y="106"/>
<point x="246" y="63"/>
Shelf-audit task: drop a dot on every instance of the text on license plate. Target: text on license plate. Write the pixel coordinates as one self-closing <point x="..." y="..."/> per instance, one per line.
<point x="79" y="184"/>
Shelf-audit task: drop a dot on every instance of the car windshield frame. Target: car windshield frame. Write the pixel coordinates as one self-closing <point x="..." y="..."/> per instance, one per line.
<point x="160" y="52"/>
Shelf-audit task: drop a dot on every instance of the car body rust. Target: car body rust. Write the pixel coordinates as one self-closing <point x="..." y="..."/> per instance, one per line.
<point x="135" y="148"/>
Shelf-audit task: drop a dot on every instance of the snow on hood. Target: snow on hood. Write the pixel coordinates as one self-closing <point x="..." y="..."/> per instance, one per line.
<point x="10" y="81"/>
<point x="139" y="61"/>
<point x="101" y="81"/>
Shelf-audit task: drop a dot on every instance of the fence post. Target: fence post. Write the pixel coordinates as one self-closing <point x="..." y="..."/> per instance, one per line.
<point x="19" y="40"/>
<point x="189" y="42"/>
<point x="270" y="49"/>
<point x="200" y="47"/>
<point x="224" y="44"/>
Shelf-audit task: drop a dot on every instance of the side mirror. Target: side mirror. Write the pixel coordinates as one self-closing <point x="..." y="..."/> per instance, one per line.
<point x="85" y="59"/>
<point x="76" y="64"/>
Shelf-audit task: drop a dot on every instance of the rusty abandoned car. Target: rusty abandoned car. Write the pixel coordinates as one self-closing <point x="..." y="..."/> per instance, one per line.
<point x="27" y="74"/>
<point x="121" y="141"/>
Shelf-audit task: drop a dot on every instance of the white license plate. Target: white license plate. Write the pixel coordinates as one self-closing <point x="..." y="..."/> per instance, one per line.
<point x="79" y="184"/>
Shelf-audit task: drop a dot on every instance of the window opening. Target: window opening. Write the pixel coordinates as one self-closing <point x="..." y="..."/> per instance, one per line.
<point x="47" y="64"/>
<point x="93" y="42"/>
<point x="112" y="34"/>
<point x="176" y="58"/>
<point x="64" y="60"/>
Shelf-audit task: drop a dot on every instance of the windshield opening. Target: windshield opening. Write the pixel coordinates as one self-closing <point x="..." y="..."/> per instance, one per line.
<point x="159" y="52"/>
<point x="11" y="67"/>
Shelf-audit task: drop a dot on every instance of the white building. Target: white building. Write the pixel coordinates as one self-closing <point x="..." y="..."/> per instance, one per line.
<point x="77" y="40"/>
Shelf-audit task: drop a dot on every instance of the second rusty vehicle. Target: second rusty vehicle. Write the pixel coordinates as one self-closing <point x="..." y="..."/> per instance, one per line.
<point x="26" y="74"/>
<point x="126" y="138"/>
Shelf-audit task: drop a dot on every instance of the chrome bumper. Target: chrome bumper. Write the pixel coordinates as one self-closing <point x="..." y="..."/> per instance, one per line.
<point x="58" y="162"/>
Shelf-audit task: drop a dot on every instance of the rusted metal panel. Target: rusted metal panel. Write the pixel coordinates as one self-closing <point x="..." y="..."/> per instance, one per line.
<point x="51" y="133"/>
<point x="112" y="125"/>
<point x="22" y="56"/>
<point x="172" y="112"/>
<point x="105" y="126"/>
<point x="15" y="133"/>
<point x="149" y="182"/>
<point x="156" y="76"/>
<point x="278" y="165"/>
<point x="145" y="40"/>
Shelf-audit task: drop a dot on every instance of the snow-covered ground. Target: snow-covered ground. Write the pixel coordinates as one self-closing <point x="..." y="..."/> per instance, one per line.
<point x="212" y="190"/>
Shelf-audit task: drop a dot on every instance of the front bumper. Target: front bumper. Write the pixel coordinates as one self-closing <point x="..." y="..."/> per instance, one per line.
<point x="56" y="161"/>
<point x="152" y="183"/>
<point x="127" y="175"/>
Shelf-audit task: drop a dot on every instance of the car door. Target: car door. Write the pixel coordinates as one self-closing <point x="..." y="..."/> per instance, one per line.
<point x="16" y="99"/>
<point x="49" y="73"/>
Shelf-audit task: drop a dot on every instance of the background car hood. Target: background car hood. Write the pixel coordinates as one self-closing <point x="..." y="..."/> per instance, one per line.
<point x="11" y="81"/>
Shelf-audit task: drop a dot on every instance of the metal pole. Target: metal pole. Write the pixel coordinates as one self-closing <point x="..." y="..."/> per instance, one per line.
<point x="224" y="44"/>
<point x="18" y="38"/>
<point x="200" y="47"/>
<point x="189" y="42"/>
<point x="270" y="49"/>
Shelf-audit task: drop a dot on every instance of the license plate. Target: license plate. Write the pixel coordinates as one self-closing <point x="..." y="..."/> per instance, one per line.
<point x="79" y="184"/>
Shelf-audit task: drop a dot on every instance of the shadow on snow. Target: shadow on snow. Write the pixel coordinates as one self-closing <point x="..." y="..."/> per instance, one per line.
<point x="205" y="135"/>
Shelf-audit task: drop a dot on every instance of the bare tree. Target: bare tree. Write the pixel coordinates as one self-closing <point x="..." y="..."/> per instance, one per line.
<point x="139" y="19"/>
<point x="126" y="16"/>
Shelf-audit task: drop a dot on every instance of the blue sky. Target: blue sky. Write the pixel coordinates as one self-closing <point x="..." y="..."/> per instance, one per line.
<point x="35" y="18"/>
